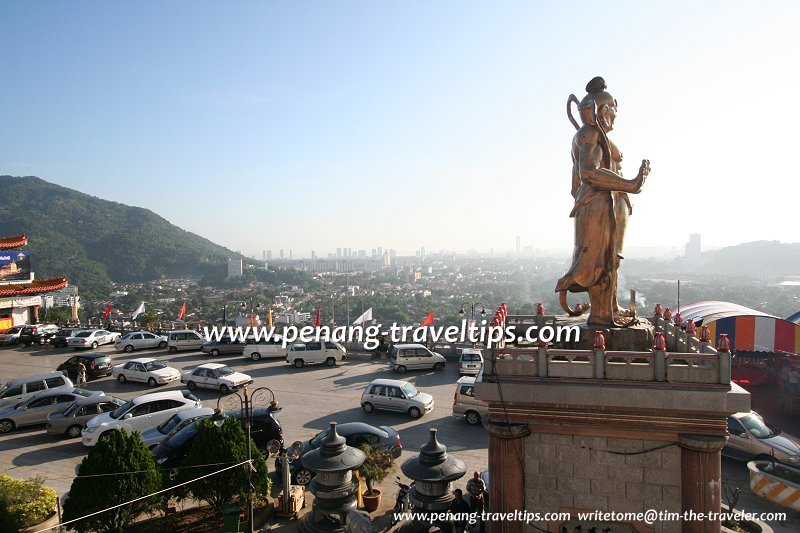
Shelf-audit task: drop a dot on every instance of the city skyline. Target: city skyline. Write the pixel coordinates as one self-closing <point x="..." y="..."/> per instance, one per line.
<point x="286" y="126"/>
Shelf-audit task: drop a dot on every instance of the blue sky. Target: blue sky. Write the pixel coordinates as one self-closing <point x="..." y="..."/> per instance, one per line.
<point x="315" y="125"/>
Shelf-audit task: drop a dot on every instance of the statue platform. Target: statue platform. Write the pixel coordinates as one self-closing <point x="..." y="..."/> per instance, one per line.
<point x="636" y="338"/>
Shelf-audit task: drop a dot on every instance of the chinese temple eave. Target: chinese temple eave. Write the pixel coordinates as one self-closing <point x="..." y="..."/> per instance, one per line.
<point x="8" y="243"/>
<point x="33" y="287"/>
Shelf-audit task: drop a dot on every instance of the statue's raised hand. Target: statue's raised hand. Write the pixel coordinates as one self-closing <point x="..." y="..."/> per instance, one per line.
<point x="641" y="177"/>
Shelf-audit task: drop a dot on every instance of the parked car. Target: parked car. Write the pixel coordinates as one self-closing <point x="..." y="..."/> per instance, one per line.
<point x="147" y="370"/>
<point x="10" y="336"/>
<point x="395" y="395"/>
<point x="223" y="346"/>
<point x="172" y="450"/>
<point x="154" y="436"/>
<point x="140" y="414"/>
<point x="73" y="420"/>
<point x="215" y="376"/>
<point x="140" y="340"/>
<point x="91" y="338"/>
<point x="327" y="352"/>
<point x="355" y="434"/>
<point x="265" y="348"/>
<point x="20" y="389"/>
<point x="465" y="404"/>
<point x="97" y="365"/>
<point x="37" y="334"/>
<point x="751" y="438"/>
<point x="470" y="361"/>
<point x="61" y="338"/>
<point x="184" y="339"/>
<point x="413" y="356"/>
<point x="35" y="410"/>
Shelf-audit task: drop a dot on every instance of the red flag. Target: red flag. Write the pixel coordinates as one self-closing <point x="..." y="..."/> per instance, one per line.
<point x="182" y="313"/>
<point x="108" y="312"/>
<point x="316" y="322"/>
<point x="428" y="321"/>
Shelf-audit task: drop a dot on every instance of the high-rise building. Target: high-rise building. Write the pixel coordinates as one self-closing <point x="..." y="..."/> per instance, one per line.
<point x="235" y="268"/>
<point x="263" y="255"/>
<point x="338" y="252"/>
<point x="518" y="245"/>
<point x="693" y="249"/>
<point x="313" y="254"/>
<point x="290" y="254"/>
<point x="269" y="255"/>
<point x="281" y="254"/>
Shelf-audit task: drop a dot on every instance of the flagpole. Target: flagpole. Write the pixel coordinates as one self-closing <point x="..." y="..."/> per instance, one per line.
<point x="347" y="297"/>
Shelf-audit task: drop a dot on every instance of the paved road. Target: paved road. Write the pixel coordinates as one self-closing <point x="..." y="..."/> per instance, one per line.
<point x="311" y="397"/>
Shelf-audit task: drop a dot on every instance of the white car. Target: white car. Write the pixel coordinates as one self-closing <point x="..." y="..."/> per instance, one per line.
<point x="215" y="376"/>
<point x="140" y="414"/>
<point x="91" y="338"/>
<point x="11" y="335"/>
<point x="138" y="340"/>
<point x="147" y="370"/>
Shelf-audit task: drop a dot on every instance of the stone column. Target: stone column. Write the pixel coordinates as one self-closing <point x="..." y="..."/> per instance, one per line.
<point x="507" y="458"/>
<point x="701" y="481"/>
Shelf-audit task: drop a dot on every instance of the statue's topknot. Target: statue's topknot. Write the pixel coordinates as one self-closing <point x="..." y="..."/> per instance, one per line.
<point x="597" y="84"/>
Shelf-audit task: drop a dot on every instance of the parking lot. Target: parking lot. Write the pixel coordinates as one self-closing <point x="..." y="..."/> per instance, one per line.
<point x="310" y="398"/>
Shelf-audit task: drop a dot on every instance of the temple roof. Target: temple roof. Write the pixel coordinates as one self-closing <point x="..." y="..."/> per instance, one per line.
<point x="33" y="287"/>
<point x="7" y="243"/>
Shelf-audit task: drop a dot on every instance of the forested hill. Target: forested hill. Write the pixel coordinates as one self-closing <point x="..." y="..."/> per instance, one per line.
<point x="94" y="241"/>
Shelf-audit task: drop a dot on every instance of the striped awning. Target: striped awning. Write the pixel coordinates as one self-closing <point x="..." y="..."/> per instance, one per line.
<point x="758" y="333"/>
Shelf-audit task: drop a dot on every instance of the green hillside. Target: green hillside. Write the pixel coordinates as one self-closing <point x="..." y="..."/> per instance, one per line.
<point x="94" y="241"/>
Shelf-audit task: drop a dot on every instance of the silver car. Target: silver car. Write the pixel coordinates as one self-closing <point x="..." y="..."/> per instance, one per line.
<point x="153" y="437"/>
<point x="751" y="438"/>
<point x="35" y="410"/>
<point x="73" y="420"/>
<point x="395" y="395"/>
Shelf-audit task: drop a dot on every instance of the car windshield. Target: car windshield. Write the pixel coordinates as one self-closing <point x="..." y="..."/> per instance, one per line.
<point x="84" y="334"/>
<point x="224" y="371"/>
<point x="117" y="413"/>
<point x="409" y="390"/>
<point x="179" y="438"/>
<point x="756" y="426"/>
<point x="316" y="442"/>
<point x="154" y="365"/>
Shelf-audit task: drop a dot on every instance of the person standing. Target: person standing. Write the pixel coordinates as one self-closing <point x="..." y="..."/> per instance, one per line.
<point x="477" y="489"/>
<point x="459" y="509"/>
<point x="81" y="373"/>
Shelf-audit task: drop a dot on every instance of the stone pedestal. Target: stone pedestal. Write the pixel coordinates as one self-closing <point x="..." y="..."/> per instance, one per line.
<point x="701" y="479"/>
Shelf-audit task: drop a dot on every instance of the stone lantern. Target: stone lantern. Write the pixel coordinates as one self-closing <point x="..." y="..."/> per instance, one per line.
<point x="334" y="489"/>
<point x="433" y="472"/>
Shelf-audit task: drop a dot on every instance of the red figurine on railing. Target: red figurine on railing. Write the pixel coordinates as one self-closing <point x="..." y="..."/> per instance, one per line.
<point x="668" y="314"/>
<point x="659" y="343"/>
<point x="691" y="329"/>
<point x="724" y="343"/>
<point x="678" y="320"/>
<point x="540" y="309"/>
<point x="705" y="334"/>
<point x="659" y="310"/>
<point x="599" y="340"/>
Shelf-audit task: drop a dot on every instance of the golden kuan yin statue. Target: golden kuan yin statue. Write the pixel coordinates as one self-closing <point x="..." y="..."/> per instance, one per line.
<point x="601" y="208"/>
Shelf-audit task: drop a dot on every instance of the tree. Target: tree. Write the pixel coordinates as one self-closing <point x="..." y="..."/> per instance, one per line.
<point x="218" y="447"/>
<point x="104" y="481"/>
<point x="149" y="319"/>
<point x="375" y="467"/>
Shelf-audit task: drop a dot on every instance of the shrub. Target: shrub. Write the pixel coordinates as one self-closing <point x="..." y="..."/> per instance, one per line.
<point x="28" y="502"/>
<point x="375" y="467"/>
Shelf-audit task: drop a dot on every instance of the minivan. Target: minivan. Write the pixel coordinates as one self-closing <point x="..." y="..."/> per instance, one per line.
<point x="410" y="356"/>
<point x="20" y="389"/>
<point x="327" y="352"/>
<point x="185" y="339"/>
<point x="470" y="361"/>
<point x="465" y="404"/>
<point x="265" y="348"/>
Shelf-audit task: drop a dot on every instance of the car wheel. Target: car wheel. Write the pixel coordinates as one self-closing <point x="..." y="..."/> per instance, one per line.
<point x="129" y="348"/>
<point x="173" y="349"/>
<point x="330" y="361"/>
<point x="191" y="385"/>
<point x="152" y="382"/>
<point x="74" y="431"/>
<point x="298" y="363"/>
<point x="302" y="477"/>
<point x="438" y="366"/>
<point x="472" y="418"/>
<point x="42" y="342"/>
<point x="173" y="474"/>
<point x="224" y="389"/>
<point x="121" y="378"/>
<point x="6" y="426"/>
<point x="414" y="413"/>
<point x="162" y="345"/>
<point x="367" y="407"/>
<point x="214" y="352"/>
<point x="94" y="345"/>
<point x="401" y="369"/>
<point x="255" y="356"/>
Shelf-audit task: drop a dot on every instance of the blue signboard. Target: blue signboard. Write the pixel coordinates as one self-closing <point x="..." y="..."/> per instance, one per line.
<point x="15" y="265"/>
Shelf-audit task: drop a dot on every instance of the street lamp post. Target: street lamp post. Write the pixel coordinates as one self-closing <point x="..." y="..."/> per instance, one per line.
<point x="245" y="403"/>
<point x="472" y="307"/>
<point x="251" y="319"/>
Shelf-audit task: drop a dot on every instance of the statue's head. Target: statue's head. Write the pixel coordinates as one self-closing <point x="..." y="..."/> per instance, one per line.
<point x="598" y="107"/>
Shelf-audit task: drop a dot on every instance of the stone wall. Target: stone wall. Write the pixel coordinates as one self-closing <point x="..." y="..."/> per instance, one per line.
<point x="578" y="473"/>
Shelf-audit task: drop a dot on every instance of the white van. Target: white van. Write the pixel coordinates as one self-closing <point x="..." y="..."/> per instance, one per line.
<point x="410" y="356"/>
<point x="184" y="339"/>
<point x="466" y="405"/>
<point x="20" y="389"/>
<point x="327" y="352"/>
<point x="470" y="361"/>
<point x="265" y="348"/>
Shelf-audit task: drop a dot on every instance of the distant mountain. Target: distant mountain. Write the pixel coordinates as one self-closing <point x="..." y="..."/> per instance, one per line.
<point x="94" y="241"/>
<point x="759" y="259"/>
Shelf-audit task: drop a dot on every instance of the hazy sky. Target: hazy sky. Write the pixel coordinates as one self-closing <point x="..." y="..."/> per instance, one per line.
<point x="314" y="125"/>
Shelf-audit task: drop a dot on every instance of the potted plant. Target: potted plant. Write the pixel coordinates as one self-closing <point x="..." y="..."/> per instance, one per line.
<point x="375" y="468"/>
